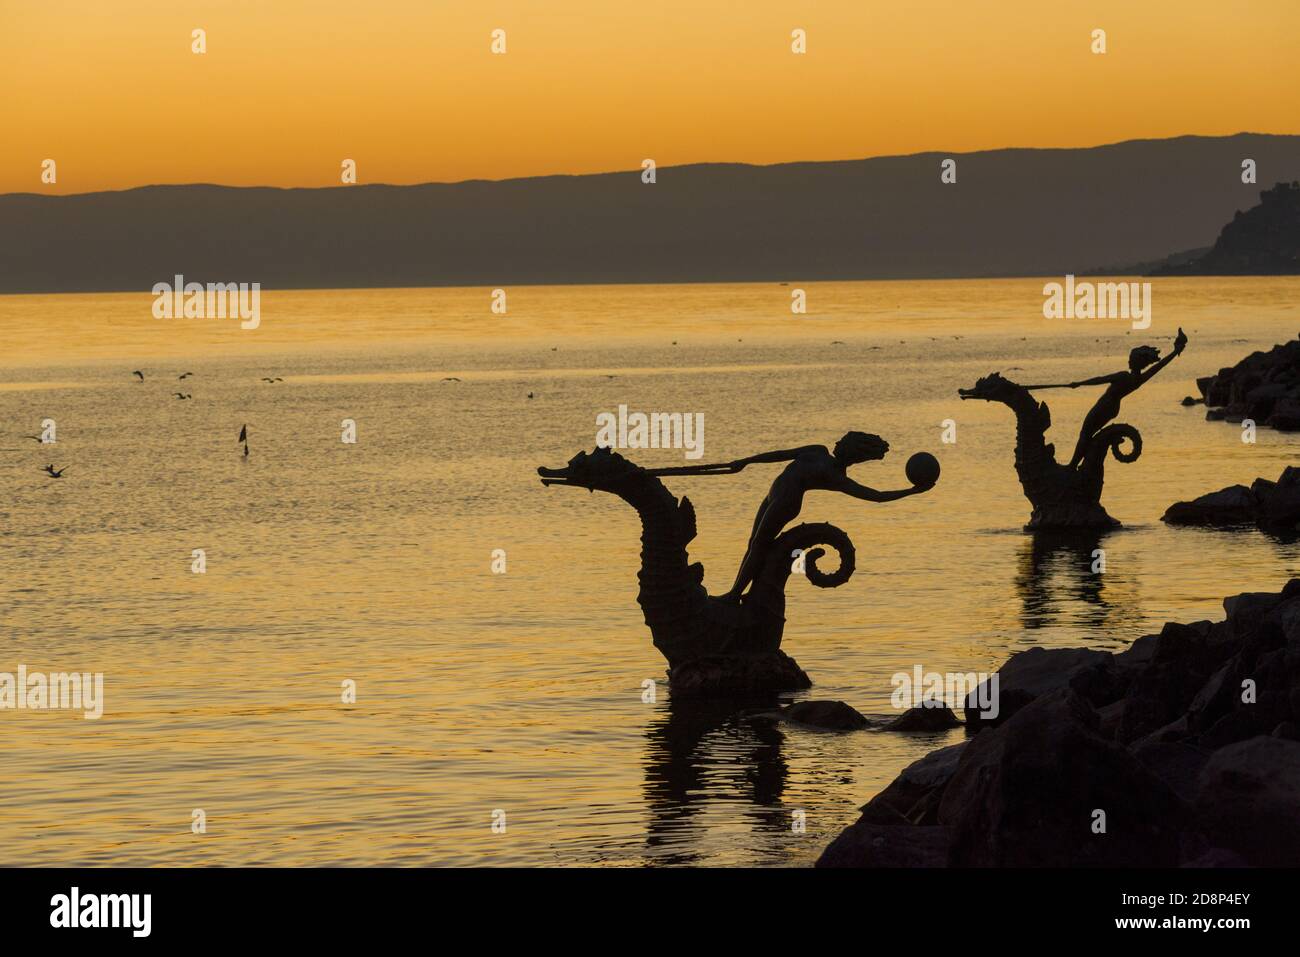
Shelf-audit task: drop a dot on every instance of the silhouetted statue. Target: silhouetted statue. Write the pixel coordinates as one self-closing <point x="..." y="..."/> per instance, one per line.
<point x="1118" y="386"/>
<point x="730" y="645"/>
<point x="1069" y="496"/>
<point x="811" y="467"/>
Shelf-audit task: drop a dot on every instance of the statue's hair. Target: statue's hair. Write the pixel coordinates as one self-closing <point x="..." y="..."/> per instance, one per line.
<point x="1143" y="356"/>
<point x="860" y="446"/>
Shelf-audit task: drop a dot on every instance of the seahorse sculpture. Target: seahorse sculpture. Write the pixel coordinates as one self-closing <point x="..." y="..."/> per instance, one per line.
<point x="713" y="647"/>
<point x="1062" y="497"/>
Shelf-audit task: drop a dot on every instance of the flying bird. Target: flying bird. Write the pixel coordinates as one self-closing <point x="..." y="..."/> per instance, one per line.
<point x="450" y="378"/>
<point x="55" y="473"/>
<point x="276" y="379"/>
<point x="139" y="373"/>
<point x="185" y="375"/>
<point x="183" y="395"/>
<point x="243" y="437"/>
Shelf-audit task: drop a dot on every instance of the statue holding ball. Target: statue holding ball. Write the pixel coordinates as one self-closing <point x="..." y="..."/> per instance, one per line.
<point x="810" y="468"/>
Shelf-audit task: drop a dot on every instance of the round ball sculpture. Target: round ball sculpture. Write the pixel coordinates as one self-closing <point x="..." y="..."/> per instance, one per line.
<point x="923" y="469"/>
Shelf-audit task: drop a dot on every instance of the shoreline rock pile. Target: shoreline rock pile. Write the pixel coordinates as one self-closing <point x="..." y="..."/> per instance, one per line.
<point x="1183" y="750"/>
<point x="1263" y="387"/>
<point x="1268" y="505"/>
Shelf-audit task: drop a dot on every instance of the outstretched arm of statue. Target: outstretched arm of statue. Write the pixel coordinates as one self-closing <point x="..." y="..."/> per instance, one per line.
<point x="783" y="455"/>
<point x="1180" y="343"/>
<point x="1096" y="380"/>
<point x="730" y="468"/>
<point x="850" y="487"/>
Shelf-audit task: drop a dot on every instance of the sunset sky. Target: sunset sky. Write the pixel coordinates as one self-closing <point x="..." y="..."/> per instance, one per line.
<point x="410" y="89"/>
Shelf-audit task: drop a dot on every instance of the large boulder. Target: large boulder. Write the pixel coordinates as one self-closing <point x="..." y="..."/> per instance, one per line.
<point x="1232" y="506"/>
<point x="915" y="794"/>
<point x="1248" y="801"/>
<point x="1186" y="741"/>
<point x="1028" y="794"/>
<point x="875" y="845"/>
<point x="1266" y="504"/>
<point x="1028" y="674"/>
<point x="826" y="715"/>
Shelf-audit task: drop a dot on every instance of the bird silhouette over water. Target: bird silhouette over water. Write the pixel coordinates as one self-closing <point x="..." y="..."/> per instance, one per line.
<point x="53" y="472"/>
<point x="183" y="395"/>
<point x="243" y="437"/>
<point x="137" y="372"/>
<point x="450" y="378"/>
<point x="185" y="375"/>
<point x="276" y="379"/>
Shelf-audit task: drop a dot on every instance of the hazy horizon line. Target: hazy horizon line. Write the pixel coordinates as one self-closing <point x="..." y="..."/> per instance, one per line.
<point x="637" y="170"/>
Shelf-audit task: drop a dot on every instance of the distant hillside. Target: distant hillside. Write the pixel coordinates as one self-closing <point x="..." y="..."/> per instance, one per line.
<point x="1150" y="268"/>
<point x="1011" y="212"/>
<point x="1263" y="241"/>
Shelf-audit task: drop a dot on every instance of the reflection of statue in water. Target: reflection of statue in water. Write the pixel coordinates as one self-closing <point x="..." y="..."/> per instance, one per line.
<point x="1057" y="582"/>
<point x="731" y="644"/>
<point x="700" y="754"/>
<point x="1069" y="496"/>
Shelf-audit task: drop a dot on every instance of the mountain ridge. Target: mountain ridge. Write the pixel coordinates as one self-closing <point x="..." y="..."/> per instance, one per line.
<point x="1014" y="211"/>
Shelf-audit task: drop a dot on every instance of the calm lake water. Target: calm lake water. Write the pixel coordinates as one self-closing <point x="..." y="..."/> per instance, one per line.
<point x="522" y="691"/>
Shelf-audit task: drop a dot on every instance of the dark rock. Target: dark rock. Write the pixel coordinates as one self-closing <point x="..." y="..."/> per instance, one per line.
<point x="828" y="715"/>
<point x="1233" y="727"/>
<point x="736" y="675"/>
<point x="926" y="717"/>
<point x="874" y="845"/>
<point x="1234" y="505"/>
<point x="1288" y="730"/>
<point x="1159" y="737"/>
<point x="1109" y="718"/>
<point x="1008" y="703"/>
<point x="1248" y="801"/>
<point x="917" y="782"/>
<point x="1024" y="795"/>
<point x="1028" y="674"/>
<point x="1217" y="857"/>
<point x="1178" y="764"/>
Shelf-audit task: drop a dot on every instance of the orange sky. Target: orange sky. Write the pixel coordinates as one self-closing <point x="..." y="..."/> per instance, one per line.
<point x="410" y="90"/>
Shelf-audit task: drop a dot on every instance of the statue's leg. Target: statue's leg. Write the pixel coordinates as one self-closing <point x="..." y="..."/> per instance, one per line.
<point x="1092" y="424"/>
<point x="769" y="522"/>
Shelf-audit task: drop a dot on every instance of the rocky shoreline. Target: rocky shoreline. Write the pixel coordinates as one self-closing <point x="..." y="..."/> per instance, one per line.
<point x="1263" y="387"/>
<point x="1182" y="750"/>
<point x="1268" y="505"/>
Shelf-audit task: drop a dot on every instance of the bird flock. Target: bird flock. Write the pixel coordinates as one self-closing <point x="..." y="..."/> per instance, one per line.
<point x="56" y="473"/>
